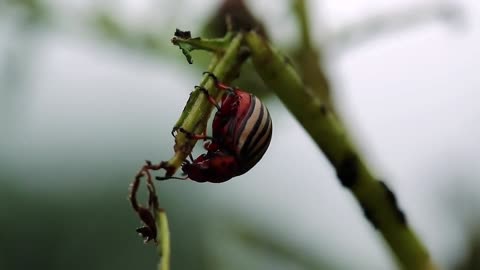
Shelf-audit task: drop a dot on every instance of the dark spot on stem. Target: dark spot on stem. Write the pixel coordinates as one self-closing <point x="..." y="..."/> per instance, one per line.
<point x="347" y="171"/>
<point x="402" y="219"/>
<point x="369" y="216"/>
<point x="323" y="109"/>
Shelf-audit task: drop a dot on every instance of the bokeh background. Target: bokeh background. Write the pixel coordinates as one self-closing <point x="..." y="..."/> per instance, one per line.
<point x="90" y="89"/>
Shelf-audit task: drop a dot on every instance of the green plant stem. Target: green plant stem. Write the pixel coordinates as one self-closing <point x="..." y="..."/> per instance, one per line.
<point x="377" y="201"/>
<point x="198" y="109"/>
<point x="163" y="239"/>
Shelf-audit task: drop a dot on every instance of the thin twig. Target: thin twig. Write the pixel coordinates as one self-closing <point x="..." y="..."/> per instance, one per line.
<point x="163" y="239"/>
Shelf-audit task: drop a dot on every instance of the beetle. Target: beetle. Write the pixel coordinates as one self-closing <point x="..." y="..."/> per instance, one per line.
<point x="241" y="134"/>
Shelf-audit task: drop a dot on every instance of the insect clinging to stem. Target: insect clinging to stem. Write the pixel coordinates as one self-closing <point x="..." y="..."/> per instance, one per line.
<point x="242" y="131"/>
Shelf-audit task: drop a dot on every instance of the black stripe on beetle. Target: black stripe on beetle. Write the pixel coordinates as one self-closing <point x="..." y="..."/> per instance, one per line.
<point x="255" y="134"/>
<point x="246" y="120"/>
<point x="260" y="135"/>
<point x="264" y="138"/>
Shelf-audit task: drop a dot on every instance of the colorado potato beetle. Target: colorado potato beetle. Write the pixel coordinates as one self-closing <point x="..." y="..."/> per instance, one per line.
<point x="242" y="131"/>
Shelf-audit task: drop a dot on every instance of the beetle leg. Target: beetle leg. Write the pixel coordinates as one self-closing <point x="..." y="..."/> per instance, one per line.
<point x="209" y="97"/>
<point x="211" y="75"/>
<point x="218" y="84"/>
<point x="174" y="130"/>
<point x="190" y="135"/>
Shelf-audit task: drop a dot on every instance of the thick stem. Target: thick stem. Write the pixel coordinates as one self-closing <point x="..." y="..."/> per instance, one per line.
<point x="375" y="198"/>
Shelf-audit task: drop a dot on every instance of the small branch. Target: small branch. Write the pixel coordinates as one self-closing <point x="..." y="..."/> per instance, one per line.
<point x="377" y="201"/>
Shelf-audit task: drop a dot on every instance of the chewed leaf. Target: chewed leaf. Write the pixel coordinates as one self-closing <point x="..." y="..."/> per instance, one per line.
<point x="186" y="49"/>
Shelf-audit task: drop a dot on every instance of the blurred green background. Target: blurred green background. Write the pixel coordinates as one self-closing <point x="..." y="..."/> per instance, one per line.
<point x="90" y="89"/>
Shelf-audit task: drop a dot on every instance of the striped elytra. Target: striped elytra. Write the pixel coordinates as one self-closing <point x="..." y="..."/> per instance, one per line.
<point x="242" y="131"/>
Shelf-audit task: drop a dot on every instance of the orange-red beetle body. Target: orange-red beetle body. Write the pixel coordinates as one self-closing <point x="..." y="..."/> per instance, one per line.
<point x="242" y="131"/>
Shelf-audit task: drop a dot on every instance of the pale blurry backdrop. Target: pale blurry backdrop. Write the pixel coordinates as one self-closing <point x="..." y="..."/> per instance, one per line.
<point x="90" y="89"/>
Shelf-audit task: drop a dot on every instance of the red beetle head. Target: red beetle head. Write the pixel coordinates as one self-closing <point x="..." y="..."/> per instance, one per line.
<point x="215" y="167"/>
<point x="234" y="110"/>
<point x="230" y="103"/>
